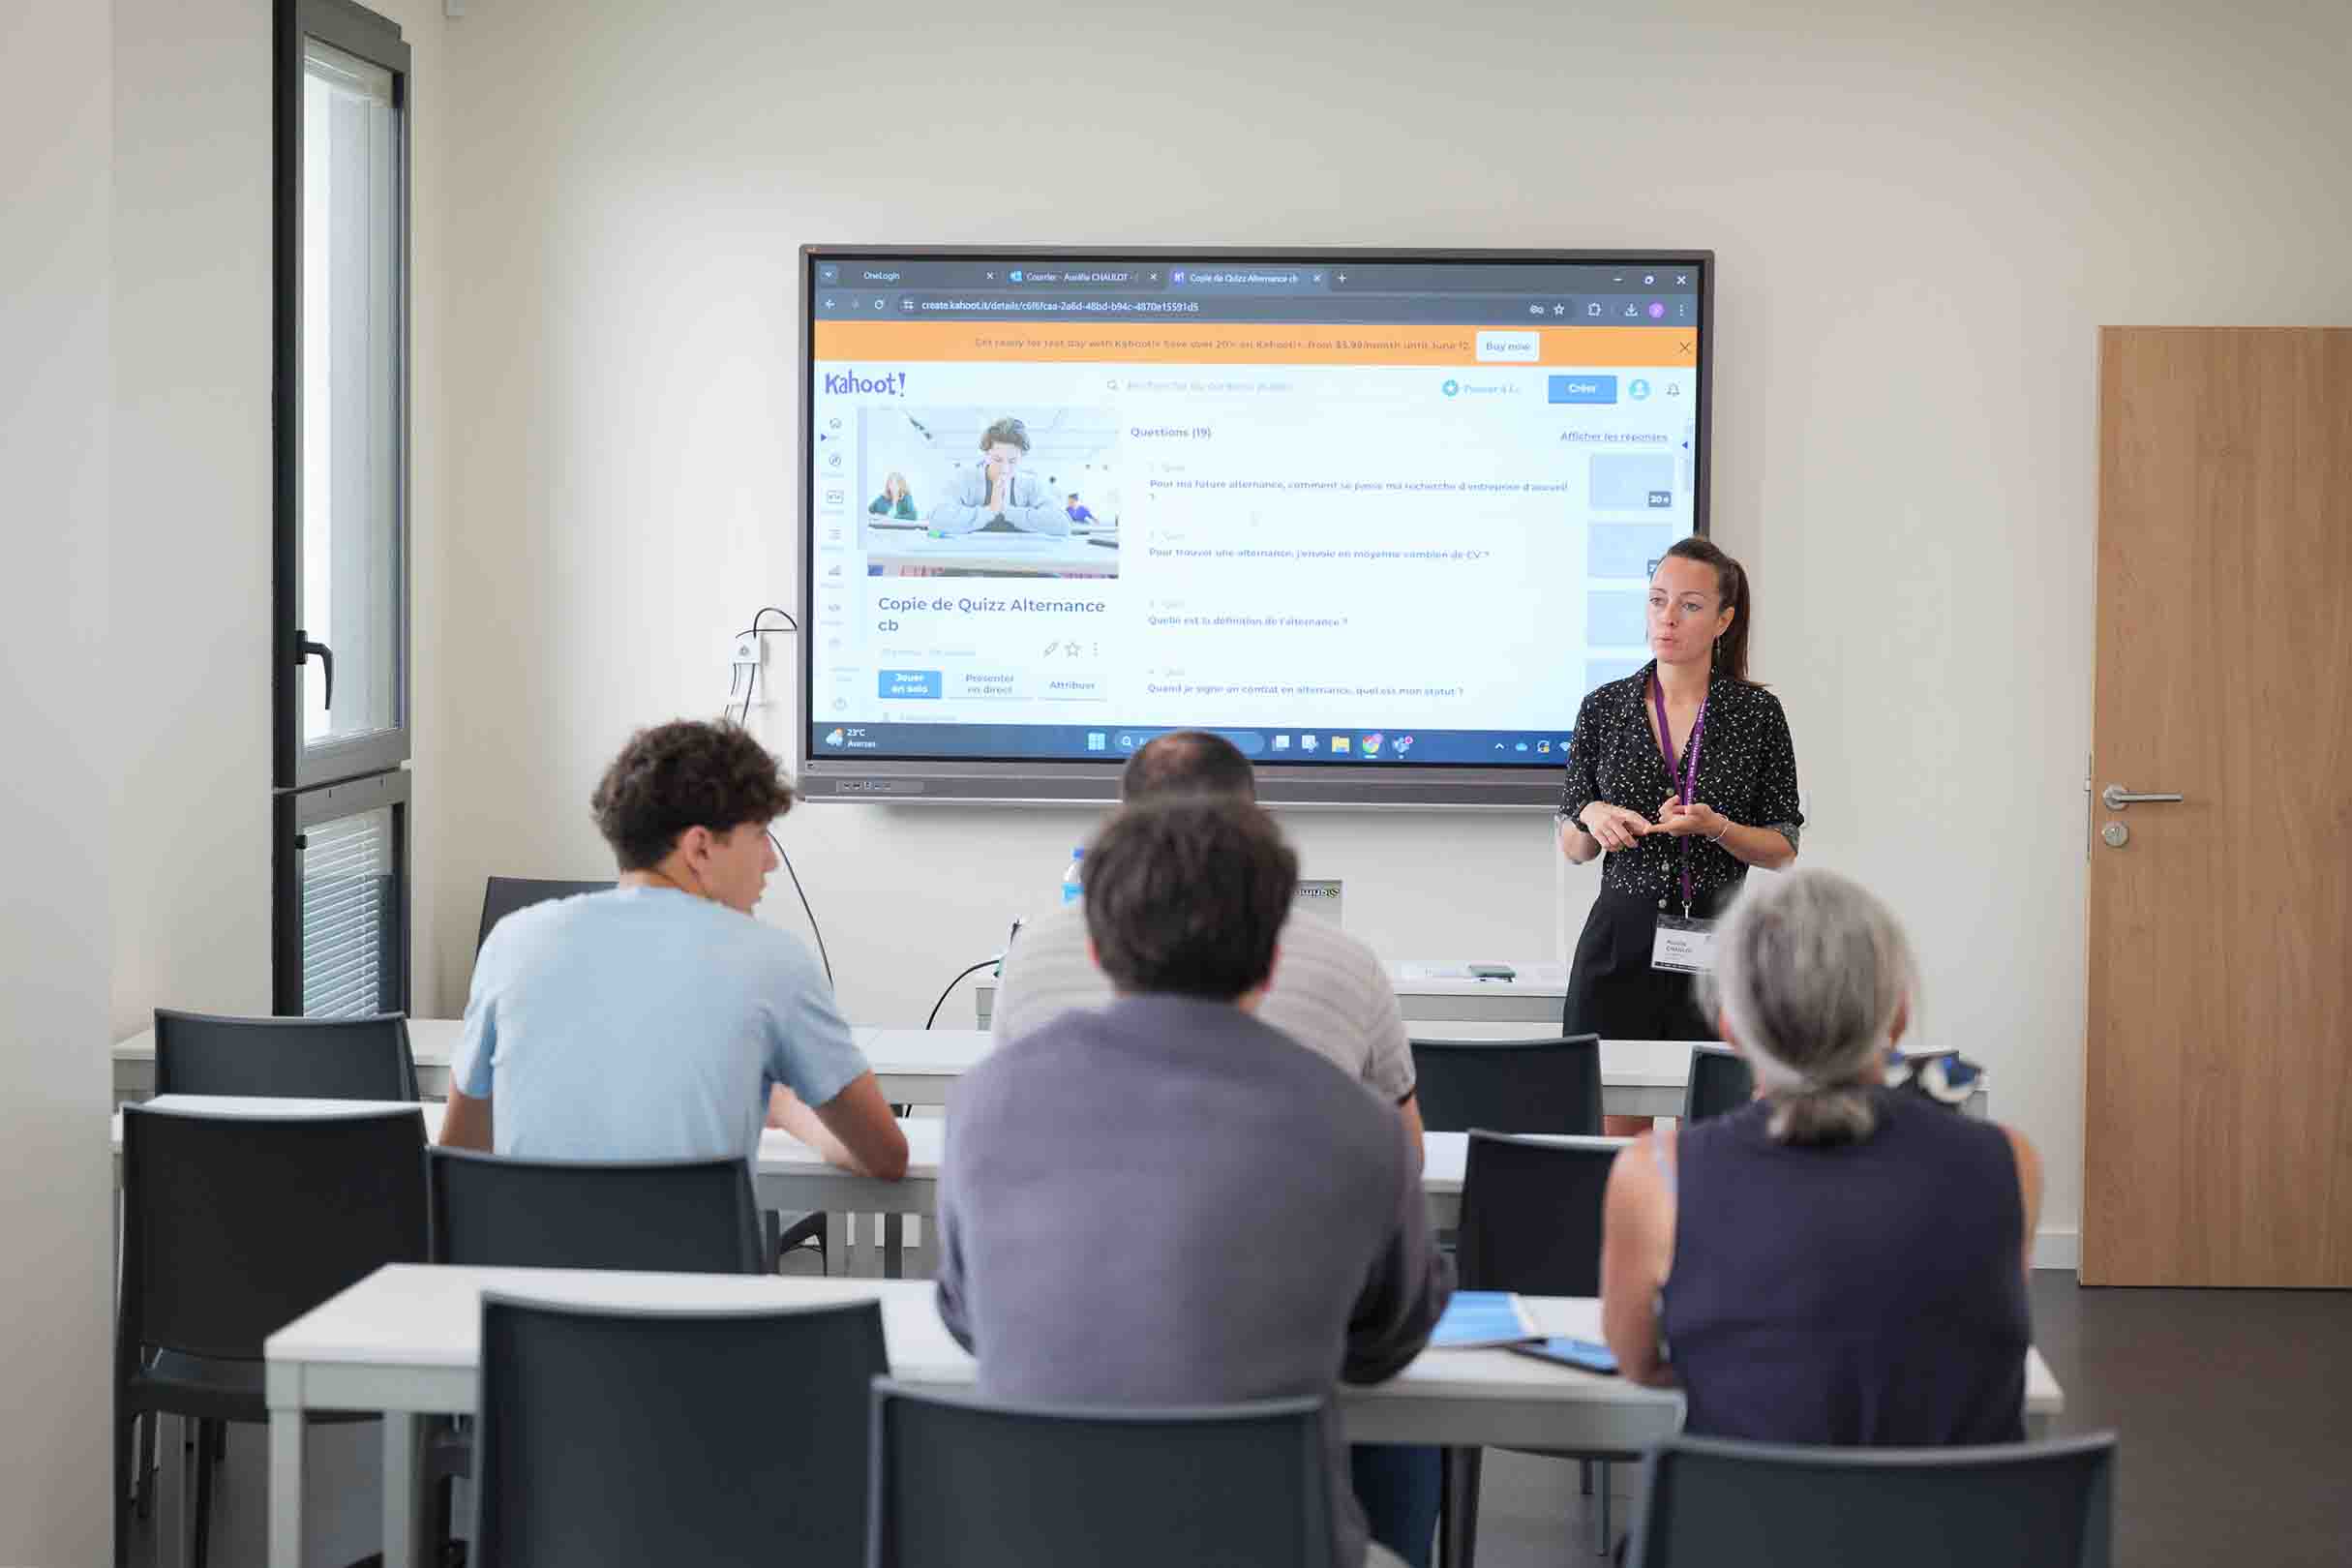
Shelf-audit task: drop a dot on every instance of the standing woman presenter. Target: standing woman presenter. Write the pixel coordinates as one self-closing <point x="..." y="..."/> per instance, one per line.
<point x="1681" y="776"/>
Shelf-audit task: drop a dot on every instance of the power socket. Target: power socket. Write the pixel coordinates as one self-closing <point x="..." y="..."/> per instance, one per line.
<point x="742" y="663"/>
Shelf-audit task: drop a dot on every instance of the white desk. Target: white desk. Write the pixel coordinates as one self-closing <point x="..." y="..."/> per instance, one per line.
<point x="919" y="1067"/>
<point x="1440" y="991"/>
<point x="791" y="1176"/>
<point x="432" y="1042"/>
<point x="406" y="1342"/>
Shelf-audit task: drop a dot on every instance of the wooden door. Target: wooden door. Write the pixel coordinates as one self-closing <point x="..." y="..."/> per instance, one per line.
<point x="2217" y="1137"/>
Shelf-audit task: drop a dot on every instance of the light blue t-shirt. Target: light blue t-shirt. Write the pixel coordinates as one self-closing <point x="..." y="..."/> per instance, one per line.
<point x="644" y="1023"/>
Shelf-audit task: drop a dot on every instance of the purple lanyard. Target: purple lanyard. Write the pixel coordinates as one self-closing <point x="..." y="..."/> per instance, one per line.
<point x="1689" y="781"/>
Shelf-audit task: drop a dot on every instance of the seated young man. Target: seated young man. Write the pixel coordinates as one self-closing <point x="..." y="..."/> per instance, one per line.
<point x="660" y="1020"/>
<point x="1096" y="1166"/>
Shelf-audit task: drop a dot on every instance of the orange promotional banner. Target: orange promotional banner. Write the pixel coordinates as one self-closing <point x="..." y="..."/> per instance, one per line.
<point x="1470" y="347"/>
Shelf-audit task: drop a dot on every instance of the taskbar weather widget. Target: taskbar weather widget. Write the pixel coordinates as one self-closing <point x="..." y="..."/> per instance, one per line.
<point x="1319" y="744"/>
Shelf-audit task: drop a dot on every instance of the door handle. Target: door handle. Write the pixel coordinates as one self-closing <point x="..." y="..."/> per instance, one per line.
<point x="2115" y="798"/>
<point x="304" y="647"/>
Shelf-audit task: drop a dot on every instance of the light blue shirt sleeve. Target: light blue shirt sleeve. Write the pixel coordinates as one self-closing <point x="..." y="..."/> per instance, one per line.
<point x="470" y="1066"/>
<point x="809" y="1048"/>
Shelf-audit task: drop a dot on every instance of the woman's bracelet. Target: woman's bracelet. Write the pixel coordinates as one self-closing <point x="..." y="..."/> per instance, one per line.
<point x="1719" y="832"/>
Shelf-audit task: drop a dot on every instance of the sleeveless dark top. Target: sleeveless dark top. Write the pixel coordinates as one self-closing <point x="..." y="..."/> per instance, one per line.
<point x="1867" y="1294"/>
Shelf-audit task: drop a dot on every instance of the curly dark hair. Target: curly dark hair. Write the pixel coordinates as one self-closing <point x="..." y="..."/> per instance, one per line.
<point x="1187" y="895"/>
<point x="685" y="774"/>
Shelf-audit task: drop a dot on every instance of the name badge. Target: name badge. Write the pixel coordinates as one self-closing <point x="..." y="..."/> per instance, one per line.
<point x="1683" y="944"/>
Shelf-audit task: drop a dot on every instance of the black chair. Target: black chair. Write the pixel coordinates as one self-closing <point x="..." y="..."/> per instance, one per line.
<point x="1721" y="1081"/>
<point x="1509" y="1085"/>
<point x="1531" y="1222"/>
<point x="690" y="1217"/>
<point x="503" y="895"/>
<point x="1770" y="1505"/>
<point x="232" y="1227"/>
<point x="962" y="1481"/>
<point x="611" y="1436"/>
<point x="198" y="1053"/>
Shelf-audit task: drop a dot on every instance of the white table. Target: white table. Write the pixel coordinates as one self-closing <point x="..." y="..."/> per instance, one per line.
<point x="791" y="1176"/>
<point x="782" y="1164"/>
<point x="1440" y="990"/>
<point x="919" y="1067"/>
<point x="406" y="1343"/>
<point x="912" y="1072"/>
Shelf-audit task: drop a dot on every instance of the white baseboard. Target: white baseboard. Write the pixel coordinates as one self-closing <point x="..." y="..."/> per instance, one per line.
<point x="2058" y="1249"/>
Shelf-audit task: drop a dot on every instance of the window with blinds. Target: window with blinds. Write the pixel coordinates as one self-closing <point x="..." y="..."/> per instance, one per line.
<point x="349" y="910"/>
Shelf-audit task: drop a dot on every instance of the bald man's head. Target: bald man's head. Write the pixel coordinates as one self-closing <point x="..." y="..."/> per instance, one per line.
<point x="1187" y="761"/>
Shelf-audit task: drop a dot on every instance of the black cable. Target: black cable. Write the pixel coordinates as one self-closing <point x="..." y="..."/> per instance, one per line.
<point x="825" y="957"/>
<point x="951" y="985"/>
<point x="754" y="630"/>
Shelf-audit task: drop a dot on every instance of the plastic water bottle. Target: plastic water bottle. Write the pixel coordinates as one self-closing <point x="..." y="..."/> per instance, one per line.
<point x="1073" y="880"/>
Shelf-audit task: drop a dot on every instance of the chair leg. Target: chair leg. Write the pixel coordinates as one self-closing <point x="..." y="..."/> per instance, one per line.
<point x="1584" y="1477"/>
<point x="143" y="1478"/>
<point x="211" y="1437"/>
<point x="1600" y="1541"/>
<point x="126" y="1456"/>
<point x="1458" y="1515"/>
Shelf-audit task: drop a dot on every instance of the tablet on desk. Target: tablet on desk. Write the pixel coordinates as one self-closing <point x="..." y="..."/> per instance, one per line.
<point x="1584" y="1355"/>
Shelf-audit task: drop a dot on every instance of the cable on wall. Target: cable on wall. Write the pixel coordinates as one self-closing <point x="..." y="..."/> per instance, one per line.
<point x="954" y="983"/>
<point x="822" y="956"/>
<point x="752" y="687"/>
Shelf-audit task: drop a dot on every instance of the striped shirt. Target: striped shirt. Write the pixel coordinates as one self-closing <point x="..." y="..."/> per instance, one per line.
<point x="1330" y="994"/>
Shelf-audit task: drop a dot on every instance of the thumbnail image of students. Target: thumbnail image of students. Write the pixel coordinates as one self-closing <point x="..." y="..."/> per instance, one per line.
<point x="1079" y="512"/>
<point x="895" y="501"/>
<point x="995" y="496"/>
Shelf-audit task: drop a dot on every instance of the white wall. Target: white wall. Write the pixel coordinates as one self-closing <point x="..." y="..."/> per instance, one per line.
<point x="1922" y="215"/>
<point x="191" y="507"/>
<point x="55" y="143"/>
<point x="191" y="675"/>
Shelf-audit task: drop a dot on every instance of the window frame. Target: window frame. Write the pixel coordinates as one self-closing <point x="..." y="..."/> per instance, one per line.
<point x="361" y="33"/>
<point x="291" y="812"/>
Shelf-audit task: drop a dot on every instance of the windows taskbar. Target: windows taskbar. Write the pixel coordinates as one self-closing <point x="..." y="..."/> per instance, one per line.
<point x="1269" y="745"/>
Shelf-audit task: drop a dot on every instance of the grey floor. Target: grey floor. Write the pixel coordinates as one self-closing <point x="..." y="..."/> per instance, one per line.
<point x="2235" y="1409"/>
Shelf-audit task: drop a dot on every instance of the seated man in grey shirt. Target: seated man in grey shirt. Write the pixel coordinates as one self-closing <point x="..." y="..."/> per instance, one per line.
<point x="1330" y="992"/>
<point x="1095" y="1167"/>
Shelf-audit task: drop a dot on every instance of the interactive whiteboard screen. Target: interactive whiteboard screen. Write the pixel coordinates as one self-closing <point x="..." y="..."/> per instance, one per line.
<point x="1382" y="519"/>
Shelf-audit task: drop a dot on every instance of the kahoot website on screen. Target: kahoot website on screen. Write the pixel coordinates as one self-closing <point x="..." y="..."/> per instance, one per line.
<point x="1394" y="513"/>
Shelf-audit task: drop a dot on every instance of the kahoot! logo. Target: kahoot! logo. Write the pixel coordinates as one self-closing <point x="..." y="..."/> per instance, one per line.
<point x="834" y="738"/>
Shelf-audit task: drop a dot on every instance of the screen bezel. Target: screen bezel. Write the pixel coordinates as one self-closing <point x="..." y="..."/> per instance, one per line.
<point x="1049" y="781"/>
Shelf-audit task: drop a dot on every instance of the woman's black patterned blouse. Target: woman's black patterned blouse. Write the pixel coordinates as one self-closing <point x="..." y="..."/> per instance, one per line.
<point x="1747" y="770"/>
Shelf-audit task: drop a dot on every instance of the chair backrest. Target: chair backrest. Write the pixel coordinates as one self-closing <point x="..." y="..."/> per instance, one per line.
<point x="977" y="1483"/>
<point x="1721" y="1081"/>
<point x="198" y="1053"/>
<point x="235" y="1226"/>
<point x="503" y="895"/>
<point x="2023" y="1505"/>
<point x="613" y="1437"/>
<point x="1531" y="1214"/>
<point x="1509" y="1085"/>
<point x="691" y="1217"/>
